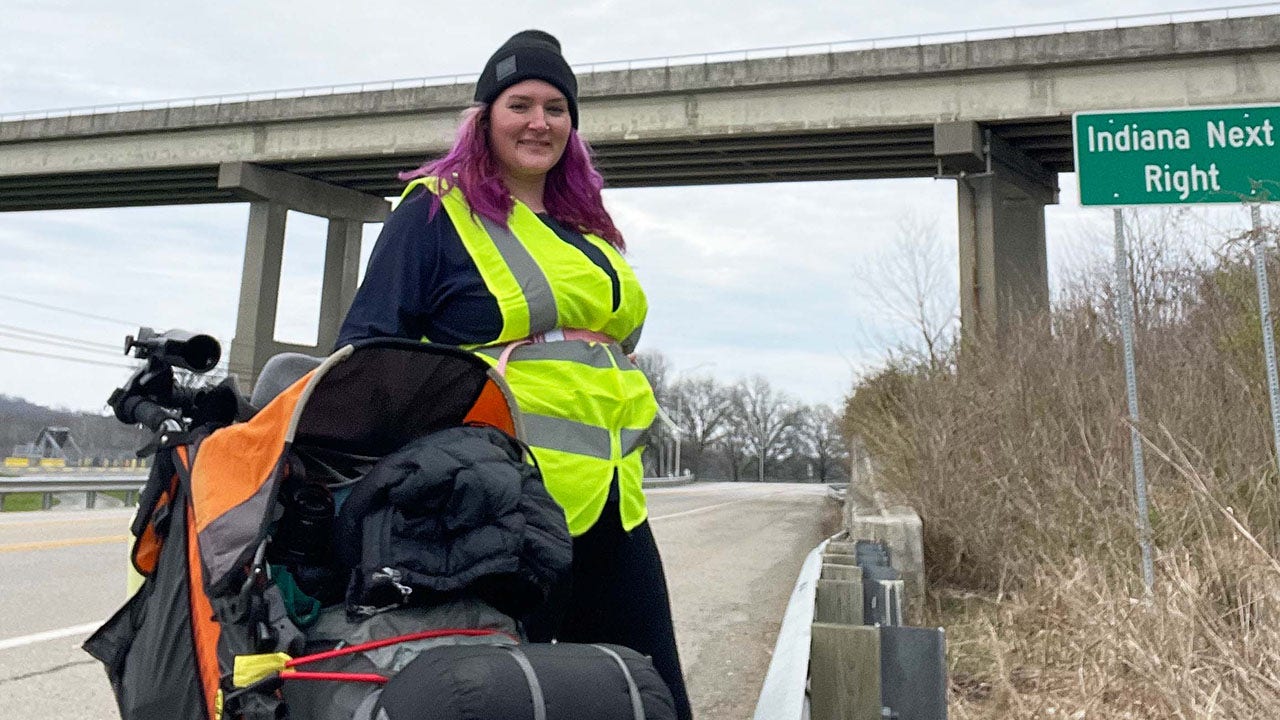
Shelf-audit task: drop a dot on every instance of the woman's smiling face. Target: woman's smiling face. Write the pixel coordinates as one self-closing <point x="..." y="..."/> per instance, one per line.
<point x="529" y="127"/>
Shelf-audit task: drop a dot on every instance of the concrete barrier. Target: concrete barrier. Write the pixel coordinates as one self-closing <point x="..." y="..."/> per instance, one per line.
<point x="868" y="516"/>
<point x="666" y="482"/>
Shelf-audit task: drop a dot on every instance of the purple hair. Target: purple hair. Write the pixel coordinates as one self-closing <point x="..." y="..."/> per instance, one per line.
<point x="572" y="193"/>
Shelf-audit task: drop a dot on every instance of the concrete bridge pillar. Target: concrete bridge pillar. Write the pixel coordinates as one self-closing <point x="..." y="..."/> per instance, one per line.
<point x="1001" y="197"/>
<point x="271" y="194"/>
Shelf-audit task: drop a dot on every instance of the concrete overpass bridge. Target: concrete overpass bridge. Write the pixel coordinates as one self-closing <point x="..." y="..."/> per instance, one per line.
<point x="993" y="114"/>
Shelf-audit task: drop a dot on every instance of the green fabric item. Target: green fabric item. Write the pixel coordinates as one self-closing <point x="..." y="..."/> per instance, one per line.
<point x="303" y="609"/>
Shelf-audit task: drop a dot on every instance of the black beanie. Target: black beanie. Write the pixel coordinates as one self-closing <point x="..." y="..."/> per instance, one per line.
<point x="528" y="55"/>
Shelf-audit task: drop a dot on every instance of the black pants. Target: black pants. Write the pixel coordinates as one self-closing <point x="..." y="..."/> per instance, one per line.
<point x="616" y="593"/>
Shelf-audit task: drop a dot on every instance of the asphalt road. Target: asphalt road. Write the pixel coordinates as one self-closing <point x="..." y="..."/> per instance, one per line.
<point x="731" y="550"/>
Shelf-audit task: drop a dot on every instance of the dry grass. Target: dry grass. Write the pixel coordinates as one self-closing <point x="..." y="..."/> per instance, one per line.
<point x="1020" y="465"/>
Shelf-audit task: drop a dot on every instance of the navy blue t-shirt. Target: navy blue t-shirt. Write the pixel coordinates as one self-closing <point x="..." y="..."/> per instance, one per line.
<point x="421" y="281"/>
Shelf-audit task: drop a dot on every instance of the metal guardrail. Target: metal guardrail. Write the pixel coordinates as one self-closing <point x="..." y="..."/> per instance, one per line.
<point x="871" y="43"/>
<point x="783" y="695"/>
<point x="70" y="470"/>
<point x="27" y="485"/>
<point x="133" y="483"/>
<point x="47" y="487"/>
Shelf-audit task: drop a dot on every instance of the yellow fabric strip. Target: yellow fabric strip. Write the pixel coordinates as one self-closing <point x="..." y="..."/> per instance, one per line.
<point x="249" y="669"/>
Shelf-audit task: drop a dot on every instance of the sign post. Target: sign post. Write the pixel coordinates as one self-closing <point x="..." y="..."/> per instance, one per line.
<point x="1195" y="156"/>
<point x="1268" y="336"/>
<point x="1125" y="295"/>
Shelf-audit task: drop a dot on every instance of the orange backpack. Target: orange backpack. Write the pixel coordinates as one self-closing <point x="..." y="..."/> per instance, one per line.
<point x="206" y="514"/>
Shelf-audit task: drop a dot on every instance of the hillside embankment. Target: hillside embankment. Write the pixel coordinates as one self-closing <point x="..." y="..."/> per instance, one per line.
<point x="1017" y="456"/>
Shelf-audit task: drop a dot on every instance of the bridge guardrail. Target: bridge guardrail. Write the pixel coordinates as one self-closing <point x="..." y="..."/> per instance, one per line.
<point x="783" y="695"/>
<point x="129" y="485"/>
<point x="132" y="483"/>
<point x="872" y="43"/>
<point x="844" y="650"/>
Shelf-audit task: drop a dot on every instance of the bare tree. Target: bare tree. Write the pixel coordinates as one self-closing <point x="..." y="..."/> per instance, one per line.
<point x="913" y="282"/>
<point x="1167" y="248"/>
<point x="655" y="367"/>
<point x="766" y="418"/>
<point x="733" y="441"/>
<point x="1166" y="255"/>
<point x="702" y="410"/>
<point x="820" y="435"/>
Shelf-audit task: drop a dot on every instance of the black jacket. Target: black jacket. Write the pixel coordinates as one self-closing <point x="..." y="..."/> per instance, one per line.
<point x="455" y="512"/>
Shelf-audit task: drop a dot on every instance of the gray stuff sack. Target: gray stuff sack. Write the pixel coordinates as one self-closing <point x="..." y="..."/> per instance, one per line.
<point x="335" y="700"/>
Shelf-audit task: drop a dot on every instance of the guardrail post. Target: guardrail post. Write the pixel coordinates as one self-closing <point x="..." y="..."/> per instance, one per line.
<point x="834" y="571"/>
<point x="46" y="501"/>
<point x="90" y="499"/>
<point x="840" y="559"/>
<point x="839" y="601"/>
<point x="844" y="675"/>
<point x="913" y="672"/>
<point x="844" y="660"/>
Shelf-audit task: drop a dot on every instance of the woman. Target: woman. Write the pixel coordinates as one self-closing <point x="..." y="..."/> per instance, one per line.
<point x="504" y="246"/>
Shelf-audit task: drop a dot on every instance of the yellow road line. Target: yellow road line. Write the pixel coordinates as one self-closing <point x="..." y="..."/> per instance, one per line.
<point x="68" y="542"/>
<point x="22" y="523"/>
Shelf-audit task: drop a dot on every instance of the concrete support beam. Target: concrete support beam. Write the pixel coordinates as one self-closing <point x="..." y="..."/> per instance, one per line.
<point x="272" y="194"/>
<point x="302" y="194"/>
<point x="1001" y="195"/>
<point x="259" y="290"/>
<point x="341" y="272"/>
<point x="1003" y="265"/>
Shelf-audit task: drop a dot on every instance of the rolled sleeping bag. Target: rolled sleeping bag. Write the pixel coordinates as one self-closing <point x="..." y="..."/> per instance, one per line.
<point x="537" y="681"/>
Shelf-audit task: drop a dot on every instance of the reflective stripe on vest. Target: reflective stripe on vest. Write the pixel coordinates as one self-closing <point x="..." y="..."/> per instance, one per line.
<point x="586" y="408"/>
<point x="539" y="299"/>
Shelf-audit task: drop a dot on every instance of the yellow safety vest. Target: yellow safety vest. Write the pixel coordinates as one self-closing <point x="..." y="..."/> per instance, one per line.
<point x="585" y="407"/>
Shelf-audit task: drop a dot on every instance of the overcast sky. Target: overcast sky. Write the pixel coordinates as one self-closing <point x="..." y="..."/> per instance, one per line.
<point x="742" y="280"/>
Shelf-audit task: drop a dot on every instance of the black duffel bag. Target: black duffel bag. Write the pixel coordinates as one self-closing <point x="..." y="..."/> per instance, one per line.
<point x="537" y="681"/>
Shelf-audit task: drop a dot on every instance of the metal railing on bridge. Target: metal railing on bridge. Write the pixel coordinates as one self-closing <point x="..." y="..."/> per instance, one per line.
<point x="586" y="69"/>
<point x="90" y="486"/>
<point x="130" y="484"/>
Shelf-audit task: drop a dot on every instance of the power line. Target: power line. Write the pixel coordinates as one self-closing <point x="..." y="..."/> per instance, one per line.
<point x="57" y="343"/>
<point x="67" y="359"/>
<point x="224" y="366"/>
<point x="69" y="311"/>
<point x="91" y="346"/>
<point x="72" y="343"/>
<point x="37" y="336"/>
<point x="67" y="338"/>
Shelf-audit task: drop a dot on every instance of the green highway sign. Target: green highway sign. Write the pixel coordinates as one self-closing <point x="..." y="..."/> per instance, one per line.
<point x="1178" y="157"/>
